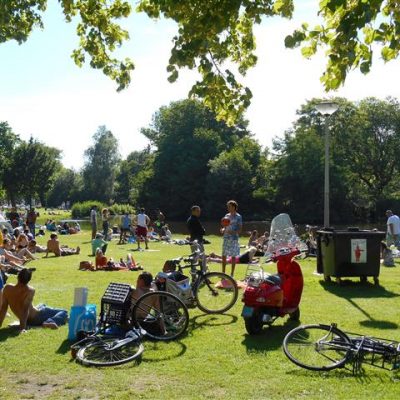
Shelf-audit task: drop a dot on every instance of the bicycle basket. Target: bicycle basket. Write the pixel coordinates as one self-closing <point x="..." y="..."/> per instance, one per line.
<point x="181" y="289"/>
<point x="115" y="303"/>
<point x="378" y="352"/>
<point x="254" y="275"/>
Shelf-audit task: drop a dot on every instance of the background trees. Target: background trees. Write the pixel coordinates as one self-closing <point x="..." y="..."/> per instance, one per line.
<point x="216" y="38"/>
<point x="185" y="136"/>
<point x="101" y="162"/>
<point x="193" y="158"/>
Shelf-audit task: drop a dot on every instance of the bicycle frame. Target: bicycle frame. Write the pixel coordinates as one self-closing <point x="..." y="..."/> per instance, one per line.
<point x="358" y="349"/>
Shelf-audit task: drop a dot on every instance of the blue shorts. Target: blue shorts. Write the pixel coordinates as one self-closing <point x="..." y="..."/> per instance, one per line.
<point x="230" y="247"/>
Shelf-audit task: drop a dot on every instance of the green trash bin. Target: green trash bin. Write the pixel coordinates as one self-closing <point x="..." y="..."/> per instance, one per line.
<point x="349" y="253"/>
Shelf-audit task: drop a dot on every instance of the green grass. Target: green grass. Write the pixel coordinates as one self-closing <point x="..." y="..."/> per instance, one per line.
<point x="216" y="359"/>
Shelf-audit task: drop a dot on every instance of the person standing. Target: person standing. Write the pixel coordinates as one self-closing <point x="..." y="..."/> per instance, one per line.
<point x="142" y="221"/>
<point x="105" y="217"/>
<point x="196" y="229"/>
<point x="93" y="221"/>
<point x="31" y="220"/>
<point x="393" y="229"/>
<point x="230" y="246"/>
<point x="125" y="227"/>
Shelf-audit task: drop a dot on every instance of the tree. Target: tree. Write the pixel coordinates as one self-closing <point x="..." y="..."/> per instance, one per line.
<point x="66" y="188"/>
<point x="351" y="32"/>
<point x="214" y="33"/>
<point x="130" y="173"/>
<point x="186" y="136"/>
<point x="8" y="142"/>
<point x="233" y="175"/>
<point x="210" y="35"/>
<point x="364" y="162"/>
<point x="101" y="162"/>
<point x="31" y="171"/>
<point x="370" y="145"/>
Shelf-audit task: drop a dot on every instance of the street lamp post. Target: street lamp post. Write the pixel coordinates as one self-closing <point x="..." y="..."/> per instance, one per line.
<point x="326" y="108"/>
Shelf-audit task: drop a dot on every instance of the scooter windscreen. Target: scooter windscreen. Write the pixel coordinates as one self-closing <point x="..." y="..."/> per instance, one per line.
<point x="283" y="236"/>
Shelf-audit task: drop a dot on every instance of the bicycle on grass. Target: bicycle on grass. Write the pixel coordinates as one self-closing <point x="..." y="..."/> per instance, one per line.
<point x="211" y="292"/>
<point x="319" y="347"/>
<point x="157" y="315"/>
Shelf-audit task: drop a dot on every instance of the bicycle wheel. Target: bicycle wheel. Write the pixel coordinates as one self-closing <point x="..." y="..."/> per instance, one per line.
<point x="161" y="314"/>
<point x="107" y="352"/>
<point x="317" y="347"/>
<point x="216" y="293"/>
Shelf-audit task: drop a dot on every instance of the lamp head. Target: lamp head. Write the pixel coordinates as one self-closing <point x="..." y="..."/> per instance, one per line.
<point x="326" y="107"/>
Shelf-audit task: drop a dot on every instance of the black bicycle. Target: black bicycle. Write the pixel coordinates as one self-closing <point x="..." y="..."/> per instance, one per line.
<point x="211" y="292"/>
<point x="158" y="315"/>
<point x="101" y="350"/>
<point x="325" y="347"/>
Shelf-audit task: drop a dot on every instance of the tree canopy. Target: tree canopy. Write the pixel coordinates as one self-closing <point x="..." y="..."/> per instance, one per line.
<point x="100" y="169"/>
<point x="216" y="38"/>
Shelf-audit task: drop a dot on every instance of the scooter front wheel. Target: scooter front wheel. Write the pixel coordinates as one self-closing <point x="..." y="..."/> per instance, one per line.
<point x="254" y="324"/>
<point x="295" y="315"/>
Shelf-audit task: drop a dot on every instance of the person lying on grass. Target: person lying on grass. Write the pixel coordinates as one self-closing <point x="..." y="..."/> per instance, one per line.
<point x="102" y="263"/>
<point x="246" y="258"/>
<point x="33" y="247"/>
<point x="11" y="258"/>
<point x="20" y="297"/>
<point x="53" y="246"/>
<point x="21" y="252"/>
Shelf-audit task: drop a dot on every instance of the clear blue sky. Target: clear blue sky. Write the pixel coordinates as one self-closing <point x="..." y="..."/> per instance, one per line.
<point x="43" y="93"/>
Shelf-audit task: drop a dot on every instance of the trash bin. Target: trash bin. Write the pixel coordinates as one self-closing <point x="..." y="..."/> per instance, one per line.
<point x="349" y="253"/>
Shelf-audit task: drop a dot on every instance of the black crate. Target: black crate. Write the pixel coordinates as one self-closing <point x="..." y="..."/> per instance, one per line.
<point x="115" y="303"/>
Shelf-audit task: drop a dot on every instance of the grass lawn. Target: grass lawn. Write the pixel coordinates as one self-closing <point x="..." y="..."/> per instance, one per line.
<point x="216" y="359"/>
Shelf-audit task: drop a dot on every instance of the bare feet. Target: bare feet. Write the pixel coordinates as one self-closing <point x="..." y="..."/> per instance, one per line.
<point x="50" y="325"/>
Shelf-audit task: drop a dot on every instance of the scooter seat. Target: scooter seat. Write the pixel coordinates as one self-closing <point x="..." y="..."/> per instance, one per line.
<point x="274" y="279"/>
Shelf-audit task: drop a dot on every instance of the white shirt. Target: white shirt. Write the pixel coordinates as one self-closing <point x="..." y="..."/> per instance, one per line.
<point x="93" y="216"/>
<point x="142" y="220"/>
<point x="395" y="221"/>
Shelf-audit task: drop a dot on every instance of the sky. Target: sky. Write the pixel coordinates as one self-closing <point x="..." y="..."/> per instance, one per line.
<point x="45" y="95"/>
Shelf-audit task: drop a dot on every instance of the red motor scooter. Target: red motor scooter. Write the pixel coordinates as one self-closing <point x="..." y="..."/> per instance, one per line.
<point x="267" y="297"/>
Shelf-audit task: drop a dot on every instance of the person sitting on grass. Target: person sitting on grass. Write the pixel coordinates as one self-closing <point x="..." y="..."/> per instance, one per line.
<point x="166" y="234"/>
<point x="152" y="325"/>
<point x="10" y="258"/>
<point x="33" y="247"/>
<point x="99" y="243"/>
<point x="53" y="246"/>
<point x="102" y="263"/>
<point x="21" y="252"/>
<point x="20" y="298"/>
<point x="253" y="238"/>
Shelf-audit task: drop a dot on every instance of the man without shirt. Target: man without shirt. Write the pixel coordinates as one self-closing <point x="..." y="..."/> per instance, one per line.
<point x="53" y="246"/>
<point x="20" y="297"/>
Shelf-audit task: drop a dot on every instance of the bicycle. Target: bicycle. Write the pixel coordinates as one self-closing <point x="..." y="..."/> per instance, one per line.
<point x="157" y="315"/>
<point x="102" y="350"/>
<point x="211" y="292"/>
<point x="319" y="347"/>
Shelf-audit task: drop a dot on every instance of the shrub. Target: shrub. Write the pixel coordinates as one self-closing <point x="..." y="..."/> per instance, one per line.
<point x="119" y="209"/>
<point x="82" y="210"/>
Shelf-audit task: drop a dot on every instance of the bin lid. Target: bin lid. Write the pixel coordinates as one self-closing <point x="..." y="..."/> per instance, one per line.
<point x="351" y="231"/>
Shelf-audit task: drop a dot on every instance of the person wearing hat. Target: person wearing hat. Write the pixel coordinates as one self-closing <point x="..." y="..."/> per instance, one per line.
<point x="99" y="243"/>
<point x="393" y="229"/>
